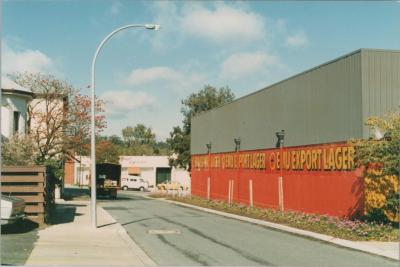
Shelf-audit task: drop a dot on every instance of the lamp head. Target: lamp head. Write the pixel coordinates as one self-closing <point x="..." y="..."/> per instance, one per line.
<point x="280" y="135"/>
<point x="152" y="26"/>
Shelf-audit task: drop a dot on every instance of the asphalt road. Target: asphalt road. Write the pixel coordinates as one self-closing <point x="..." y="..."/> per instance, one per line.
<point x="17" y="242"/>
<point x="175" y="235"/>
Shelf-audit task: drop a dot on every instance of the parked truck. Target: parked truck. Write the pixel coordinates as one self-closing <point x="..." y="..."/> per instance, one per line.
<point x="108" y="176"/>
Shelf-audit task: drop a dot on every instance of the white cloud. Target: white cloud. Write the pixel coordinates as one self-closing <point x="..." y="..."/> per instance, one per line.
<point x="224" y="23"/>
<point x="244" y="64"/>
<point x="25" y="61"/>
<point x="143" y="76"/>
<point x="123" y="102"/>
<point x="166" y="77"/>
<point x="115" y="8"/>
<point x="298" y="39"/>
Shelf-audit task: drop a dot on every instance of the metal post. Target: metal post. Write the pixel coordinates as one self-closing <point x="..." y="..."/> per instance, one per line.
<point x="280" y="179"/>
<point x="281" y="136"/>
<point x="1" y="105"/>
<point x="209" y="170"/>
<point x="229" y="191"/>
<point x="232" y="183"/>
<point x="208" y="188"/>
<point x="251" y="192"/>
<point x="92" y="136"/>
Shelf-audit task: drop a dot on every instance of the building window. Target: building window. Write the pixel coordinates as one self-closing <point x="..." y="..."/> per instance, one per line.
<point x="16" y="121"/>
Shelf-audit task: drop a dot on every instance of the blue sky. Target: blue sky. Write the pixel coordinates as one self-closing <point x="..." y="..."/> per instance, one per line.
<point x="143" y="75"/>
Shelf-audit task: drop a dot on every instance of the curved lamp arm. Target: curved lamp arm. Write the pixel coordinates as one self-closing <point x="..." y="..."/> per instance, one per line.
<point x="92" y="138"/>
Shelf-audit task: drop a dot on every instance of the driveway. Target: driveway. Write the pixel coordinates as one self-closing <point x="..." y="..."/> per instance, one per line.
<point x="17" y="242"/>
<point x="175" y="235"/>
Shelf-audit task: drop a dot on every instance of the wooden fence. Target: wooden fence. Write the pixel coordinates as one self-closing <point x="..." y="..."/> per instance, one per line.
<point x="34" y="185"/>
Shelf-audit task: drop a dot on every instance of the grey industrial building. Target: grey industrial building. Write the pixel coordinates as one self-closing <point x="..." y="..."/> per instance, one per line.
<point x="328" y="103"/>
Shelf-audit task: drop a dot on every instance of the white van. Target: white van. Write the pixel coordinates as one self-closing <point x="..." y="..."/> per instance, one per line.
<point x="134" y="182"/>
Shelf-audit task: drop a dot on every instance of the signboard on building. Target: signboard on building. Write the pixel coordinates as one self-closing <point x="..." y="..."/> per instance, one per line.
<point x="337" y="157"/>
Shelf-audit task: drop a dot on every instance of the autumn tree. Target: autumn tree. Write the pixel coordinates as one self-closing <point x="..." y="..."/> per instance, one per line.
<point x="207" y="98"/>
<point x="380" y="157"/>
<point x="383" y="146"/>
<point x="59" y="115"/>
<point x="106" y="152"/>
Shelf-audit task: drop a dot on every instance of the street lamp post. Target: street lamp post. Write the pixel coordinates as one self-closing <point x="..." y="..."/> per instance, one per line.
<point x="281" y="136"/>
<point x="92" y="137"/>
<point x="209" y="170"/>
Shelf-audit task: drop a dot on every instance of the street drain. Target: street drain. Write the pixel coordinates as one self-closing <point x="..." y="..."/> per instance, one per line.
<point x="164" y="232"/>
<point x="115" y="208"/>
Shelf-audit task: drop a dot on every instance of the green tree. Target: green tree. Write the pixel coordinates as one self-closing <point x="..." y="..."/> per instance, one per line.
<point x="143" y="134"/>
<point x="106" y="152"/>
<point x="207" y="98"/>
<point x="127" y="134"/>
<point x="138" y="140"/>
<point x="116" y="140"/>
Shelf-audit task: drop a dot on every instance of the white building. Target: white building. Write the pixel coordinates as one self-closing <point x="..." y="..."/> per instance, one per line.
<point x="82" y="171"/>
<point x="14" y="108"/>
<point x="153" y="169"/>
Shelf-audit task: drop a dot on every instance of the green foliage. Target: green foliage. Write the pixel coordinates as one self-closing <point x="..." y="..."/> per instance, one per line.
<point x="55" y="168"/>
<point x="392" y="203"/>
<point x="106" y="152"/>
<point x="207" y="98"/>
<point x="381" y="153"/>
<point x="180" y="144"/>
<point x="19" y="150"/>
<point x="140" y="134"/>
<point x="137" y="141"/>
<point x="386" y="150"/>
<point x="115" y="140"/>
<point x="376" y="215"/>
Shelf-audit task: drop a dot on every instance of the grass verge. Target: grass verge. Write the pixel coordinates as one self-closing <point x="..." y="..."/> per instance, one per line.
<point x="354" y="230"/>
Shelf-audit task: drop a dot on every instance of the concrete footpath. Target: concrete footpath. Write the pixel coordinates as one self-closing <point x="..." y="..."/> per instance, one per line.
<point x="72" y="240"/>
<point x="385" y="249"/>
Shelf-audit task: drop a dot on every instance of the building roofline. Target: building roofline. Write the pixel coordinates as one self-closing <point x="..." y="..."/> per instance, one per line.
<point x="19" y="92"/>
<point x="301" y="73"/>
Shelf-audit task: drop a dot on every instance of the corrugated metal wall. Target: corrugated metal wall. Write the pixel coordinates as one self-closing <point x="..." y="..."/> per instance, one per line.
<point x="380" y="83"/>
<point x="321" y="105"/>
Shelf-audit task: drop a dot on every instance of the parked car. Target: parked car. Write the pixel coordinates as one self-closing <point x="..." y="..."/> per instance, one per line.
<point x="136" y="183"/>
<point x="172" y="186"/>
<point x="12" y="209"/>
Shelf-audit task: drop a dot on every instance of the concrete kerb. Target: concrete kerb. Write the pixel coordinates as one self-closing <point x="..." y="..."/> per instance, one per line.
<point x="292" y="230"/>
<point x="147" y="261"/>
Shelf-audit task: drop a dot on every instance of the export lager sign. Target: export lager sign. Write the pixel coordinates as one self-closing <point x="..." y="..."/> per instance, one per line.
<point x="311" y="158"/>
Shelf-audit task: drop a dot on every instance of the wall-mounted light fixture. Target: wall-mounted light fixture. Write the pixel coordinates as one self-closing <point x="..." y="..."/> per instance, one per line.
<point x="237" y="143"/>
<point x="208" y="145"/>
<point x="281" y="138"/>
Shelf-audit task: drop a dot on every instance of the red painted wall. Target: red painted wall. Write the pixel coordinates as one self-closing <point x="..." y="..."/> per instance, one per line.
<point x="69" y="172"/>
<point x="321" y="189"/>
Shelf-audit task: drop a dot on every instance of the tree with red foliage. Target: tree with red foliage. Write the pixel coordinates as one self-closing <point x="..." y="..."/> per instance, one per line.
<point x="59" y="115"/>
